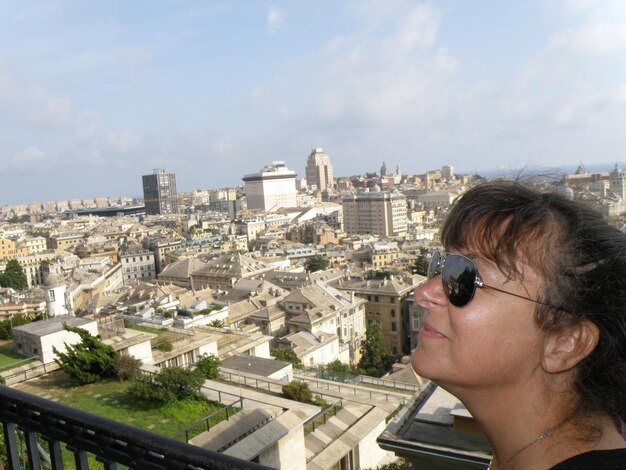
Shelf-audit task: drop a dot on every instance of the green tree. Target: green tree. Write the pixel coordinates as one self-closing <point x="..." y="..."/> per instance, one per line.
<point x="6" y="326"/>
<point x="420" y="266"/>
<point x="208" y="365"/>
<point x="167" y="385"/>
<point x="126" y="367"/>
<point x="13" y="276"/>
<point x="298" y="391"/>
<point x="287" y="355"/>
<point x="373" y="350"/>
<point x="87" y="361"/>
<point x="316" y="263"/>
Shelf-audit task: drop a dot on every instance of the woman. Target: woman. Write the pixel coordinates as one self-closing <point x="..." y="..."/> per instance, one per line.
<point x="526" y="324"/>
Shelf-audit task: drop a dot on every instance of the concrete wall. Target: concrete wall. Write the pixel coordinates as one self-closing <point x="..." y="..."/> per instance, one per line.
<point x="141" y="351"/>
<point x="288" y="452"/>
<point x="209" y="348"/>
<point x="261" y="350"/>
<point x="41" y="346"/>
<point x="368" y="451"/>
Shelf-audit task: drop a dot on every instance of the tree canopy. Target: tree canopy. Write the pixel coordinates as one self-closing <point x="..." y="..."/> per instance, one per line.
<point x="13" y="276"/>
<point x="87" y="361"/>
<point x="372" y="349"/>
<point x="316" y="263"/>
<point x="421" y="263"/>
<point x="298" y="391"/>
<point x="287" y="355"/>
<point x="167" y="385"/>
<point x="208" y="365"/>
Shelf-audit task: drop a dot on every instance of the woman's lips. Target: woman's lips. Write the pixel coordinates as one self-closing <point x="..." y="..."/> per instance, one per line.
<point x="428" y="331"/>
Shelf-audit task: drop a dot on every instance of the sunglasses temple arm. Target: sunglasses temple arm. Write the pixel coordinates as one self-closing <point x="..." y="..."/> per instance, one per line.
<point x="483" y="285"/>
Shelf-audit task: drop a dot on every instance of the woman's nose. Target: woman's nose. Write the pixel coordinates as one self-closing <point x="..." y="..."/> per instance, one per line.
<point x="430" y="293"/>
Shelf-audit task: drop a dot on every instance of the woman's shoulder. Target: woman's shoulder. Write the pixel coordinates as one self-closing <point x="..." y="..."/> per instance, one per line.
<point x="614" y="459"/>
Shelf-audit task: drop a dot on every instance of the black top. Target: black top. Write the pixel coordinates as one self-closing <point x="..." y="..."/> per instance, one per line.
<point x="595" y="460"/>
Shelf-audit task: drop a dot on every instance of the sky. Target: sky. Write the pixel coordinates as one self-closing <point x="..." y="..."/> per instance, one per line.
<point x="94" y="94"/>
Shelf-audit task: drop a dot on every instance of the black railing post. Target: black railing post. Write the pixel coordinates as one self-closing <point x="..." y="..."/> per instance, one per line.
<point x="10" y="441"/>
<point x="32" y="450"/>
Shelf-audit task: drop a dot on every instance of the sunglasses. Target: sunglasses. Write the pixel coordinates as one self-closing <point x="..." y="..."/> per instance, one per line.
<point x="460" y="278"/>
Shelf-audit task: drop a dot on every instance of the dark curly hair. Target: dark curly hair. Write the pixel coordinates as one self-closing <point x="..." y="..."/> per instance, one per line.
<point x="579" y="255"/>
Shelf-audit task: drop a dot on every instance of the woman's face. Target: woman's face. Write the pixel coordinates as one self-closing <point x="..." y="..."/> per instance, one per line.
<point x="491" y="341"/>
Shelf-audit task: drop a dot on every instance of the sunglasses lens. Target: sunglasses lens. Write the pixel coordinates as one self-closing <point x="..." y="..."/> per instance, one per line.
<point x="434" y="267"/>
<point x="459" y="279"/>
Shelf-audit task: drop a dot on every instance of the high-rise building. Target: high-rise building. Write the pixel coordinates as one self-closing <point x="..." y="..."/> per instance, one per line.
<point x="447" y="172"/>
<point x="159" y="193"/>
<point x="375" y="213"/>
<point x="319" y="171"/>
<point x="273" y="187"/>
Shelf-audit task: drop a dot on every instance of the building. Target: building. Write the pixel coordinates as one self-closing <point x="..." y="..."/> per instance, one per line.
<point x="436" y="431"/>
<point x="375" y="213"/>
<point x="273" y="187"/>
<point x="38" y="338"/>
<point x="319" y="171"/>
<point x="137" y="263"/>
<point x="447" y="172"/>
<point x="159" y="193"/>
<point x="390" y="304"/>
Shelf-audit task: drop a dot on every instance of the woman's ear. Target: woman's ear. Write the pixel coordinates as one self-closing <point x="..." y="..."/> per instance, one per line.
<point x="565" y="348"/>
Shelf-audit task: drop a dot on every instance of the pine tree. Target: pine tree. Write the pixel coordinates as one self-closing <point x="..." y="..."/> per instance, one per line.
<point x="87" y="361"/>
<point x="13" y="276"/>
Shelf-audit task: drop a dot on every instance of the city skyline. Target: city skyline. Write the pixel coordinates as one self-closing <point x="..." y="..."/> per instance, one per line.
<point x="92" y="96"/>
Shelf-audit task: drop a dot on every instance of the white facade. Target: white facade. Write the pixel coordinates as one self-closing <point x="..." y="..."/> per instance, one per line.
<point x="57" y="300"/>
<point x="137" y="264"/>
<point x="271" y="188"/>
<point x="38" y="338"/>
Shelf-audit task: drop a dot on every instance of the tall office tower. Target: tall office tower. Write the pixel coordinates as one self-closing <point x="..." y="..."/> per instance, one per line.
<point x="159" y="193"/>
<point x="319" y="171"/>
<point x="376" y="213"/>
<point x="447" y="172"/>
<point x="273" y="187"/>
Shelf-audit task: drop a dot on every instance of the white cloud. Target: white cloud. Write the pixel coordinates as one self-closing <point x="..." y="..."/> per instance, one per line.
<point x="275" y="19"/>
<point x="30" y="160"/>
<point x="44" y="109"/>
<point x="595" y="37"/>
<point x="122" y="142"/>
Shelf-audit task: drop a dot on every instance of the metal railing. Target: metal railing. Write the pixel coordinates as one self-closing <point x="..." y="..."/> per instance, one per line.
<point x="36" y="420"/>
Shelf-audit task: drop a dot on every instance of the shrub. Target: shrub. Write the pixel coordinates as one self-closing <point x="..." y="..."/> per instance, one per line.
<point x="208" y="365"/>
<point x="126" y="367"/>
<point x="319" y="401"/>
<point x="169" y="384"/>
<point x="298" y="391"/>
<point x="165" y="345"/>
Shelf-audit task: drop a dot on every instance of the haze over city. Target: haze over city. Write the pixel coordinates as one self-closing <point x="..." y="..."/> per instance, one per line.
<point x="95" y="94"/>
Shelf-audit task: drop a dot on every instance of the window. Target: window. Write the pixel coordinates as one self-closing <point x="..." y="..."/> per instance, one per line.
<point x="375" y="298"/>
<point x="393" y="313"/>
<point x="393" y="326"/>
<point x="369" y="298"/>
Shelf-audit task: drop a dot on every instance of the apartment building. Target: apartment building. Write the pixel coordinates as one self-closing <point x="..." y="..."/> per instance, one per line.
<point x="137" y="263"/>
<point x="376" y="213"/>
<point x="273" y="187"/>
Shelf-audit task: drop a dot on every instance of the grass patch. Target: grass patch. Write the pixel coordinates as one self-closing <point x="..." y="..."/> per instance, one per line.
<point x="163" y="334"/>
<point x="9" y="358"/>
<point x="109" y="399"/>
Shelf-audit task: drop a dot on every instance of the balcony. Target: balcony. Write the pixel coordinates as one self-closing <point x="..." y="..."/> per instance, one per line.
<point x="34" y="420"/>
